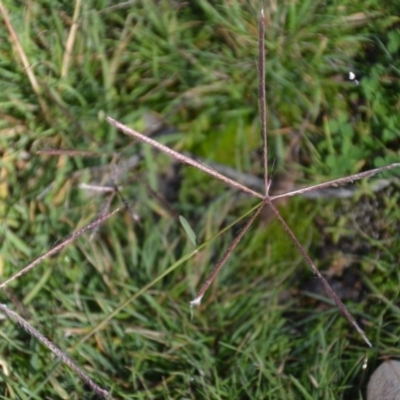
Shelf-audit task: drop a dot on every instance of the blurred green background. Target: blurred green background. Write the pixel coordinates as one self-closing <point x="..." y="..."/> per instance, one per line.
<point x="186" y="72"/>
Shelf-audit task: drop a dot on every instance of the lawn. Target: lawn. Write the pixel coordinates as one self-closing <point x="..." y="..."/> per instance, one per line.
<point x="116" y="299"/>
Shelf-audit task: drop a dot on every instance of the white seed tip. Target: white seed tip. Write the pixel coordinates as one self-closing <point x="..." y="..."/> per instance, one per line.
<point x="196" y="301"/>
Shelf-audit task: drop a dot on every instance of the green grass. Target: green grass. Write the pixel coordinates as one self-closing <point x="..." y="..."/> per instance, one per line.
<point x="257" y="334"/>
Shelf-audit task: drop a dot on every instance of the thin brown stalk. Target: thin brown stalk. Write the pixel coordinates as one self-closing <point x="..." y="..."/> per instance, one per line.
<point x="331" y="293"/>
<point x="218" y="266"/>
<point x="25" y="62"/>
<point x="60" y="246"/>
<point x="337" y="182"/>
<point x="71" y="39"/>
<point x="55" y="350"/>
<point x="181" y="158"/>
<point x="262" y="102"/>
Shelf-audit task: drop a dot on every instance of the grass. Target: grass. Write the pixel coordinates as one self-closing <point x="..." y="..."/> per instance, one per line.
<point x="260" y="332"/>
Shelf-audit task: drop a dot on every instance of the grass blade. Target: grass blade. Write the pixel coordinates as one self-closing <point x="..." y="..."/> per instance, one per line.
<point x="180" y="157"/>
<point x="331" y="293"/>
<point x="60" y="246"/>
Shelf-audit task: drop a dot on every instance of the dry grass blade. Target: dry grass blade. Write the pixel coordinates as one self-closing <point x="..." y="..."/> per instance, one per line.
<point x="25" y="62"/>
<point x="225" y="257"/>
<point x="262" y="102"/>
<point x="55" y="350"/>
<point x="71" y="39"/>
<point x="97" y="188"/>
<point x="181" y="158"/>
<point x="60" y="246"/>
<point x="331" y="293"/>
<point x="337" y="182"/>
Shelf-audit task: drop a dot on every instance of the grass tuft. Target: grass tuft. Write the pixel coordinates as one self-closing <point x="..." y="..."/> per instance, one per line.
<point x="116" y="299"/>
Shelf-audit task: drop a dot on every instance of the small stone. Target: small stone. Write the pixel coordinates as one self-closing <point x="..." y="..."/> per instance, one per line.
<point x="384" y="383"/>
